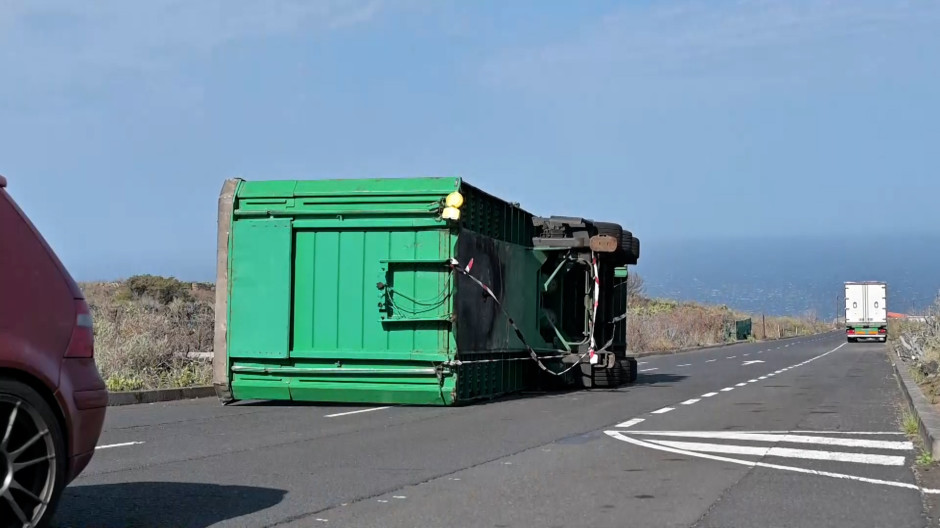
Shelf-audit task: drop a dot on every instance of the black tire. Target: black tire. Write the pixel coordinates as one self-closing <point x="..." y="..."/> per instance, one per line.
<point x="587" y="374"/>
<point x="30" y="415"/>
<point x="630" y="365"/>
<point x="635" y="248"/>
<point x="609" y="229"/>
<point x="626" y="240"/>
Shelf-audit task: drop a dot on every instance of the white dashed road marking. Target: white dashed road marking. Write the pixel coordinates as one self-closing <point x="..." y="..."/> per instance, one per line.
<point x="692" y="401"/>
<point x="650" y="369"/>
<point x="125" y="444"/>
<point x="664" y="410"/>
<point x="630" y="423"/>
<point x="356" y="412"/>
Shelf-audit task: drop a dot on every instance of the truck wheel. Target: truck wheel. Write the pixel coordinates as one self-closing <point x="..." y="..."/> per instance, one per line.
<point x="587" y="375"/>
<point x="610" y="229"/>
<point x="630" y="366"/>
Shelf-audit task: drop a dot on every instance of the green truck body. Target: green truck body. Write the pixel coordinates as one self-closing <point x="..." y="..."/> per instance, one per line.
<point x="422" y="291"/>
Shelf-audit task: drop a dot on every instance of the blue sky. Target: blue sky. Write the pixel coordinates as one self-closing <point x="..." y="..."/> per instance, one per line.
<point x="678" y="119"/>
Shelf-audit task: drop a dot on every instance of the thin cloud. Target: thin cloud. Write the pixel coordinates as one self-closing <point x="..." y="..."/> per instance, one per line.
<point x="51" y="43"/>
<point x="693" y="40"/>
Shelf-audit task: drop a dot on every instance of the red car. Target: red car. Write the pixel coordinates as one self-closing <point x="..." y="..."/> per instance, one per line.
<point x="52" y="397"/>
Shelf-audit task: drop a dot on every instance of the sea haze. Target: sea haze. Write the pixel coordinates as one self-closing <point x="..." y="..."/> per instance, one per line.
<point x="791" y="276"/>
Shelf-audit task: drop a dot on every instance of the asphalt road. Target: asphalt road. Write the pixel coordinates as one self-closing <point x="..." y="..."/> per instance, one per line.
<point x="795" y="433"/>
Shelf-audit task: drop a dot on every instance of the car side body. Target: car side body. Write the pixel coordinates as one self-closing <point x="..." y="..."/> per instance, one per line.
<point x="46" y="349"/>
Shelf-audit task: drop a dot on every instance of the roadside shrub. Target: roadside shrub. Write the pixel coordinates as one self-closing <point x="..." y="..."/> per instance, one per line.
<point x="162" y="289"/>
<point x="144" y="343"/>
<point x="659" y="325"/>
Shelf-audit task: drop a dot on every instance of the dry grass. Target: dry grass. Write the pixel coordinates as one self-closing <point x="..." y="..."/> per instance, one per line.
<point x="142" y="343"/>
<point x="918" y="343"/>
<point x="146" y="326"/>
<point x="656" y="325"/>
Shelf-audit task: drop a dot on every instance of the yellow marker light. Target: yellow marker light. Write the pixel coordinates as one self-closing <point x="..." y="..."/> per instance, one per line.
<point x="454" y="199"/>
<point x="451" y="213"/>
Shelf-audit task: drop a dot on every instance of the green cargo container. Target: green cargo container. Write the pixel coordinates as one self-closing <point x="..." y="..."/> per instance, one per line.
<point x="370" y="291"/>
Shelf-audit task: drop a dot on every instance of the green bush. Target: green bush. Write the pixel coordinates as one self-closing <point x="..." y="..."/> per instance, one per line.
<point x="164" y="290"/>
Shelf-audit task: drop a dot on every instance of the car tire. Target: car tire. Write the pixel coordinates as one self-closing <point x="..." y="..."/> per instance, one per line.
<point x="30" y="415"/>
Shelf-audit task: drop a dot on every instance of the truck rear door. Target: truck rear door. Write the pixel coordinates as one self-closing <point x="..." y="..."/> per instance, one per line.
<point x="875" y="304"/>
<point x="855" y="303"/>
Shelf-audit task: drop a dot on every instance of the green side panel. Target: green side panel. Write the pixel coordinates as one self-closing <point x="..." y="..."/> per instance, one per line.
<point x="340" y="310"/>
<point x="372" y="393"/>
<point x="260" y="289"/>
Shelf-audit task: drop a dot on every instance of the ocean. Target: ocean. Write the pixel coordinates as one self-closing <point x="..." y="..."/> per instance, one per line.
<point x="793" y="275"/>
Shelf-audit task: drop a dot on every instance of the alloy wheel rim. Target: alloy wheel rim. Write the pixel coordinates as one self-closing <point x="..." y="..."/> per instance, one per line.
<point x="27" y="463"/>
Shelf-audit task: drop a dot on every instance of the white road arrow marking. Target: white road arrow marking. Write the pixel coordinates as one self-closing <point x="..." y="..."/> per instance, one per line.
<point x="785" y="438"/>
<point x="786" y="452"/>
<point x="751" y="362"/>
<point x="751" y="463"/>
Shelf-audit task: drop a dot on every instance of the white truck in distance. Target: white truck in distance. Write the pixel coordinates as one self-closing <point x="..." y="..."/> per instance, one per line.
<point x="866" y="311"/>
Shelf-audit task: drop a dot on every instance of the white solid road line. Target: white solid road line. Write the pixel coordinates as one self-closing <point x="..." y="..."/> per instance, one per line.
<point x="786" y="452"/>
<point x="125" y="444"/>
<point x="751" y="463"/>
<point x="630" y="423"/>
<point x="664" y="410"/>
<point x="785" y="438"/>
<point x="873" y="433"/>
<point x="690" y="402"/>
<point x="356" y="412"/>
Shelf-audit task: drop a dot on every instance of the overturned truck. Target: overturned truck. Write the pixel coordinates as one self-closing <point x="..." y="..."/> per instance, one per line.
<point x="421" y="291"/>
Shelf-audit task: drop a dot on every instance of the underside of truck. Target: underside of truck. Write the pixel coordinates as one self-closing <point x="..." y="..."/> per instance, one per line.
<point x="854" y="332"/>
